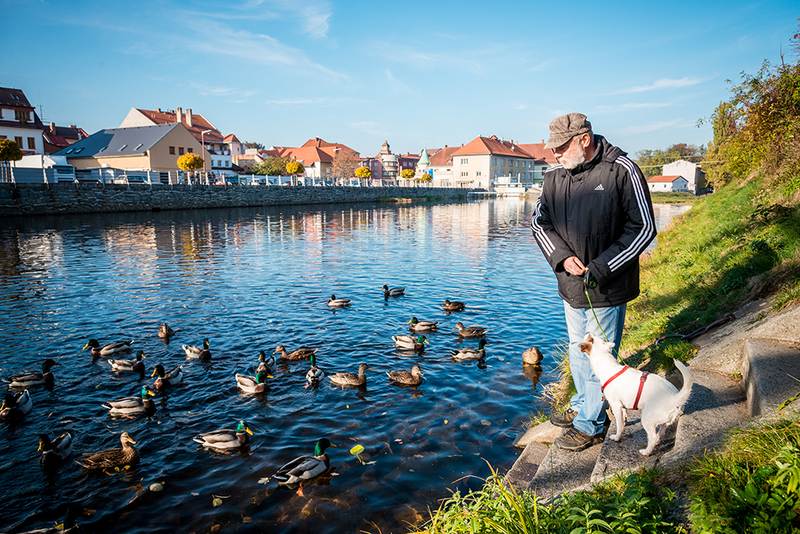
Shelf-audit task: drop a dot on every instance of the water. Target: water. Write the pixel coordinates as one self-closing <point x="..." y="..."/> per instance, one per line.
<point x="249" y="279"/>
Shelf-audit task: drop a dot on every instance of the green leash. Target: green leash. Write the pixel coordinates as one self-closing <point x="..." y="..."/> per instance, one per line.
<point x="588" y="298"/>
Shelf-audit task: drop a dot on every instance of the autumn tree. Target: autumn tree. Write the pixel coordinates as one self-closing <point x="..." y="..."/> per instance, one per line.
<point x="190" y="162"/>
<point x="272" y="166"/>
<point x="425" y="178"/>
<point x="363" y="173"/>
<point x="345" y="164"/>
<point x="652" y="161"/>
<point x="407" y="174"/>
<point x="9" y="151"/>
<point x="294" y="167"/>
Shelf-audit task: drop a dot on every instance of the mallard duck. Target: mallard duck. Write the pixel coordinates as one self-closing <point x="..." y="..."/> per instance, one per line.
<point x="314" y="375"/>
<point x="173" y="378"/>
<point x="225" y="440"/>
<point x="107" y="350"/>
<point x="406" y="378"/>
<point x="55" y="451"/>
<point x="165" y="332"/>
<point x="333" y="302"/>
<point x="416" y="325"/>
<point x="406" y="342"/>
<point x="466" y="354"/>
<point x="393" y="291"/>
<point x="532" y="356"/>
<point x="196" y="353"/>
<point x="252" y="385"/>
<point x="123" y="366"/>
<point x="15" y="407"/>
<point x="133" y="406"/>
<point x="26" y="380"/>
<point x="453" y="305"/>
<point x="112" y="459"/>
<point x="264" y="364"/>
<point x="305" y="468"/>
<point x="470" y="331"/>
<point x="351" y="379"/>
<point x="300" y="353"/>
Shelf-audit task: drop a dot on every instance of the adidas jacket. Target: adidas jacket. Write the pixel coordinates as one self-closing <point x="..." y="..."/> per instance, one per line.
<point x="600" y="212"/>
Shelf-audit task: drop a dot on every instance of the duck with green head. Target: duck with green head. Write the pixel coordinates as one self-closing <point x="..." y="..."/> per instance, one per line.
<point x="314" y="375"/>
<point x="196" y="353"/>
<point x="15" y="406"/>
<point x="252" y="385"/>
<point x="333" y="302"/>
<point x="265" y="364"/>
<point x="129" y="366"/>
<point x="226" y="440"/>
<point x="131" y="407"/>
<point x="467" y="354"/>
<point x="406" y="342"/>
<point x="56" y="451"/>
<point x="305" y="468"/>
<point x="393" y="291"/>
<point x="27" y="380"/>
<point x="415" y="325"/>
<point x="164" y="379"/>
<point x="119" y="347"/>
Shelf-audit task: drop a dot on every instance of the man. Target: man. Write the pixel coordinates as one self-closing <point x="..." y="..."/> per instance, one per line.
<point x="592" y="221"/>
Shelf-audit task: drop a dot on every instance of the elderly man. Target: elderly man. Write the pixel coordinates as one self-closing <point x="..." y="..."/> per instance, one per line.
<point x="593" y="220"/>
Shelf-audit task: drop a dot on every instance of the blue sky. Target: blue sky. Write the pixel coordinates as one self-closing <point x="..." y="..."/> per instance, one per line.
<point x="415" y="73"/>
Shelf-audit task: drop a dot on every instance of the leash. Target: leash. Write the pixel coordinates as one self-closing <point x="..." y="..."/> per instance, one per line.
<point x="589" y="299"/>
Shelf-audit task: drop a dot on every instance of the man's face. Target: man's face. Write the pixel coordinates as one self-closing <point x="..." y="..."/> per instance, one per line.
<point x="572" y="153"/>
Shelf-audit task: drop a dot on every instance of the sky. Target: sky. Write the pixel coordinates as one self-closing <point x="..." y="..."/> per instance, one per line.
<point x="418" y="74"/>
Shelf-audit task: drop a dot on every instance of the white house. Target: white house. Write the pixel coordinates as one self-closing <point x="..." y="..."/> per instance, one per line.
<point x="487" y="162"/>
<point x="438" y="163"/>
<point x="694" y="175"/>
<point x="667" y="184"/>
<point x="19" y="121"/>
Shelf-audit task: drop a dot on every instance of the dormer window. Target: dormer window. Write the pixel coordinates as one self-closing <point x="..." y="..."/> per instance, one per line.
<point x="123" y="147"/>
<point x="140" y="145"/>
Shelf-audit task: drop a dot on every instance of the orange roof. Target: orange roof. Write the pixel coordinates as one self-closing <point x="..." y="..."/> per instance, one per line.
<point x="329" y="148"/>
<point x="307" y="154"/>
<point x="662" y="179"/>
<point x="199" y="123"/>
<point x="230" y="138"/>
<point x="492" y="145"/>
<point x="442" y="157"/>
<point x="538" y="151"/>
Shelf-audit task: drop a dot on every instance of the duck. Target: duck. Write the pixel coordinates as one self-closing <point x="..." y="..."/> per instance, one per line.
<point x="252" y="385"/>
<point x="173" y="378"/>
<point x="304" y="468"/>
<point x="265" y="364"/>
<point x="415" y="325"/>
<point x="406" y="378"/>
<point x="453" y="305"/>
<point x="314" y="375"/>
<point x="225" y="440"/>
<point x="393" y="291"/>
<point x="56" y="451"/>
<point x="333" y="302"/>
<point x="165" y="332"/>
<point x="466" y="354"/>
<point x="133" y="406"/>
<point x="406" y="342"/>
<point x="351" y="379"/>
<point x="532" y="356"/>
<point x="15" y="407"/>
<point x="26" y="380"/>
<point x="136" y="365"/>
<point x="300" y="353"/>
<point x="112" y="460"/>
<point x="196" y="353"/>
<point x="118" y="347"/>
<point x="470" y="331"/>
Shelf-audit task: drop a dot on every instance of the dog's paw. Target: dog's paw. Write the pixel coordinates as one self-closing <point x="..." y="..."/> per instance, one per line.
<point x="644" y="452"/>
<point x="615" y="438"/>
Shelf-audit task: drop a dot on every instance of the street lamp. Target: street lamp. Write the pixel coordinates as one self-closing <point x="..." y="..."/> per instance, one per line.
<point x="203" y="146"/>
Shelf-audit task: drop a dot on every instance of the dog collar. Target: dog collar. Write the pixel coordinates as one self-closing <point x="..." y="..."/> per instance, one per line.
<point x="613" y="377"/>
<point x="642" y="380"/>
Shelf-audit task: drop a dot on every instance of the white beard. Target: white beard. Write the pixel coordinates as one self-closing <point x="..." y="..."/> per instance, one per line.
<point x="572" y="162"/>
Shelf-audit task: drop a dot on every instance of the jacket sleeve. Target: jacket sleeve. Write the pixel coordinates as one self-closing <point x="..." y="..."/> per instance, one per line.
<point x="554" y="248"/>
<point x="639" y="229"/>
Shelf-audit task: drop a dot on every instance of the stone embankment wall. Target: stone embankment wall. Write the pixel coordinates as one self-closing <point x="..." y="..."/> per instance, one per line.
<point x="43" y="199"/>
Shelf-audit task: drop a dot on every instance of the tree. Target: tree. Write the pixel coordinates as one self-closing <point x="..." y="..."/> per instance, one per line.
<point x="9" y="151"/>
<point x="425" y="178"/>
<point x="652" y="160"/>
<point x="345" y="164"/>
<point x="407" y="174"/>
<point x="363" y="173"/>
<point x="272" y="166"/>
<point x="190" y="162"/>
<point x="253" y="144"/>
<point x="294" y="167"/>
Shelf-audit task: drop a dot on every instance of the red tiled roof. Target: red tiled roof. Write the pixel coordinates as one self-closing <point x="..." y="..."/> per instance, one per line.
<point x="230" y="138"/>
<point x="199" y="123"/>
<point x="308" y="154"/>
<point x="662" y="179"/>
<point x="442" y="157"/>
<point x="330" y="148"/>
<point x="492" y="145"/>
<point x="538" y="151"/>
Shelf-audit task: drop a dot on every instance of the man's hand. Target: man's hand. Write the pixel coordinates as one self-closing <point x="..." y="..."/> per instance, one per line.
<point x="574" y="266"/>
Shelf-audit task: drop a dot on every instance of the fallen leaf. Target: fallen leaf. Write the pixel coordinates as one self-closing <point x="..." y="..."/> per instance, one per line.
<point x="216" y="501"/>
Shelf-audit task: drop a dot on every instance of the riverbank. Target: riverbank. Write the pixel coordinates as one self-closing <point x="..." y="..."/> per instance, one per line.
<point x="55" y="199"/>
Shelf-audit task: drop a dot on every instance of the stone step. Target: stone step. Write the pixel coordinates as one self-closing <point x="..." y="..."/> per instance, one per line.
<point x="771" y="371"/>
<point x="524" y="469"/>
<point x="561" y="471"/>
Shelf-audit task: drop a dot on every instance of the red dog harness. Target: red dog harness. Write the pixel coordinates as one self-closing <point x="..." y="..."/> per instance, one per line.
<point x="641" y="385"/>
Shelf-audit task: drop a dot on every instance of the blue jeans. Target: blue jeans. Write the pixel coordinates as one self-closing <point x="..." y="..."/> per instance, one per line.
<point x="588" y="400"/>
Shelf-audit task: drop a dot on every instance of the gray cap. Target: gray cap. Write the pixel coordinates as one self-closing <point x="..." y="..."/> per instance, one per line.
<point x="565" y="127"/>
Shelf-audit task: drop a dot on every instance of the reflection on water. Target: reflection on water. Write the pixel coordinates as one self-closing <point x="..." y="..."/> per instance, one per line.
<point x="249" y="279"/>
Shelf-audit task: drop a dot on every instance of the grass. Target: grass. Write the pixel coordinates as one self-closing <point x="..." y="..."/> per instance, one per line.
<point x="674" y="198"/>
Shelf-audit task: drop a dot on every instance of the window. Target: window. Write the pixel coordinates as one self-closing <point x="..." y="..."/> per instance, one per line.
<point x="78" y="150"/>
<point x="464" y="160"/>
<point x="32" y="143"/>
<point x="123" y="147"/>
<point x="478" y="173"/>
<point x="140" y="145"/>
<point x="18" y="140"/>
<point x="20" y="116"/>
<point x="102" y="149"/>
<point x="70" y="150"/>
<point x="172" y="150"/>
<point x="190" y="150"/>
<point x="180" y="151"/>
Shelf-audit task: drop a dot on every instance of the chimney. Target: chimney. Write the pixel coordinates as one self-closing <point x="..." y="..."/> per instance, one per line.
<point x="53" y="128"/>
<point x="189" y="117"/>
<point x="73" y="126"/>
<point x="179" y="115"/>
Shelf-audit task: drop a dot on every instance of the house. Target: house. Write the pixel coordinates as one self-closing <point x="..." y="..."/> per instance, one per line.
<point x="695" y="176"/>
<point x="19" y="121"/>
<point x="318" y="156"/>
<point x="545" y="158"/>
<point x="486" y="162"/>
<point x="235" y="146"/>
<point x="140" y="153"/>
<point x="58" y="137"/>
<point x="667" y="184"/>
<point x="219" y="151"/>
<point x="438" y="163"/>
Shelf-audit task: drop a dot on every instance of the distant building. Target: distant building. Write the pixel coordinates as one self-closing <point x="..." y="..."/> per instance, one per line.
<point x="544" y="158"/>
<point x="235" y="146"/>
<point x="318" y="156"/>
<point x="486" y="162"/>
<point x="58" y="137"/>
<point x="695" y="176"/>
<point x="19" y="121"/>
<point x="667" y="184"/>
<point x="438" y="163"/>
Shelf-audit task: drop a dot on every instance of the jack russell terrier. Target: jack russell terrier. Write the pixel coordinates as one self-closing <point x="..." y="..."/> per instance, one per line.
<point x="627" y="388"/>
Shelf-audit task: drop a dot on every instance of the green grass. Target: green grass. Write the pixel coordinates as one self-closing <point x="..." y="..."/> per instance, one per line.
<point x="674" y="198"/>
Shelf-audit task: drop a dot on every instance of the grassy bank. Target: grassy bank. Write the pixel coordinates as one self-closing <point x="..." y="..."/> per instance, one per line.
<point x="674" y="198"/>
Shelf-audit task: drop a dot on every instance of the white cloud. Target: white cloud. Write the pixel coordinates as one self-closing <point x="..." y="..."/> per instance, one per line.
<point x="233" y="93"/>
<point x="663" y="83"/>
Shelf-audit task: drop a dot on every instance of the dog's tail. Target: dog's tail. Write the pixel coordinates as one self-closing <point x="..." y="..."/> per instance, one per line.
<point x="682" y="395"/>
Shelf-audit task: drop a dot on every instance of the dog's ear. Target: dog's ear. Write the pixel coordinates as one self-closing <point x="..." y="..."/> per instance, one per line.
<point x="586" y="346"/>
<point x="588" y="338"/>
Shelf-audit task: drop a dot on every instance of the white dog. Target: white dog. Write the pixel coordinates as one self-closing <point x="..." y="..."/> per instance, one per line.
<point x="624" y="388"/>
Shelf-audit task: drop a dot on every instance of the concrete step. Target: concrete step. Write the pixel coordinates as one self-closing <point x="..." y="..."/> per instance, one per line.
<point x="524" y="469"/>
<point x="771" y="371"/>
<point x="561" y="471"/>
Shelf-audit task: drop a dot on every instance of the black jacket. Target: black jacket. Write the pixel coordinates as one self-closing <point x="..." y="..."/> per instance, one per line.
<point x="600" y="212"/>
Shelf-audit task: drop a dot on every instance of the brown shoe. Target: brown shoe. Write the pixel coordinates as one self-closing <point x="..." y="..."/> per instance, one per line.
<point x="563" y="420"/>
<point x="575" y="440"/>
